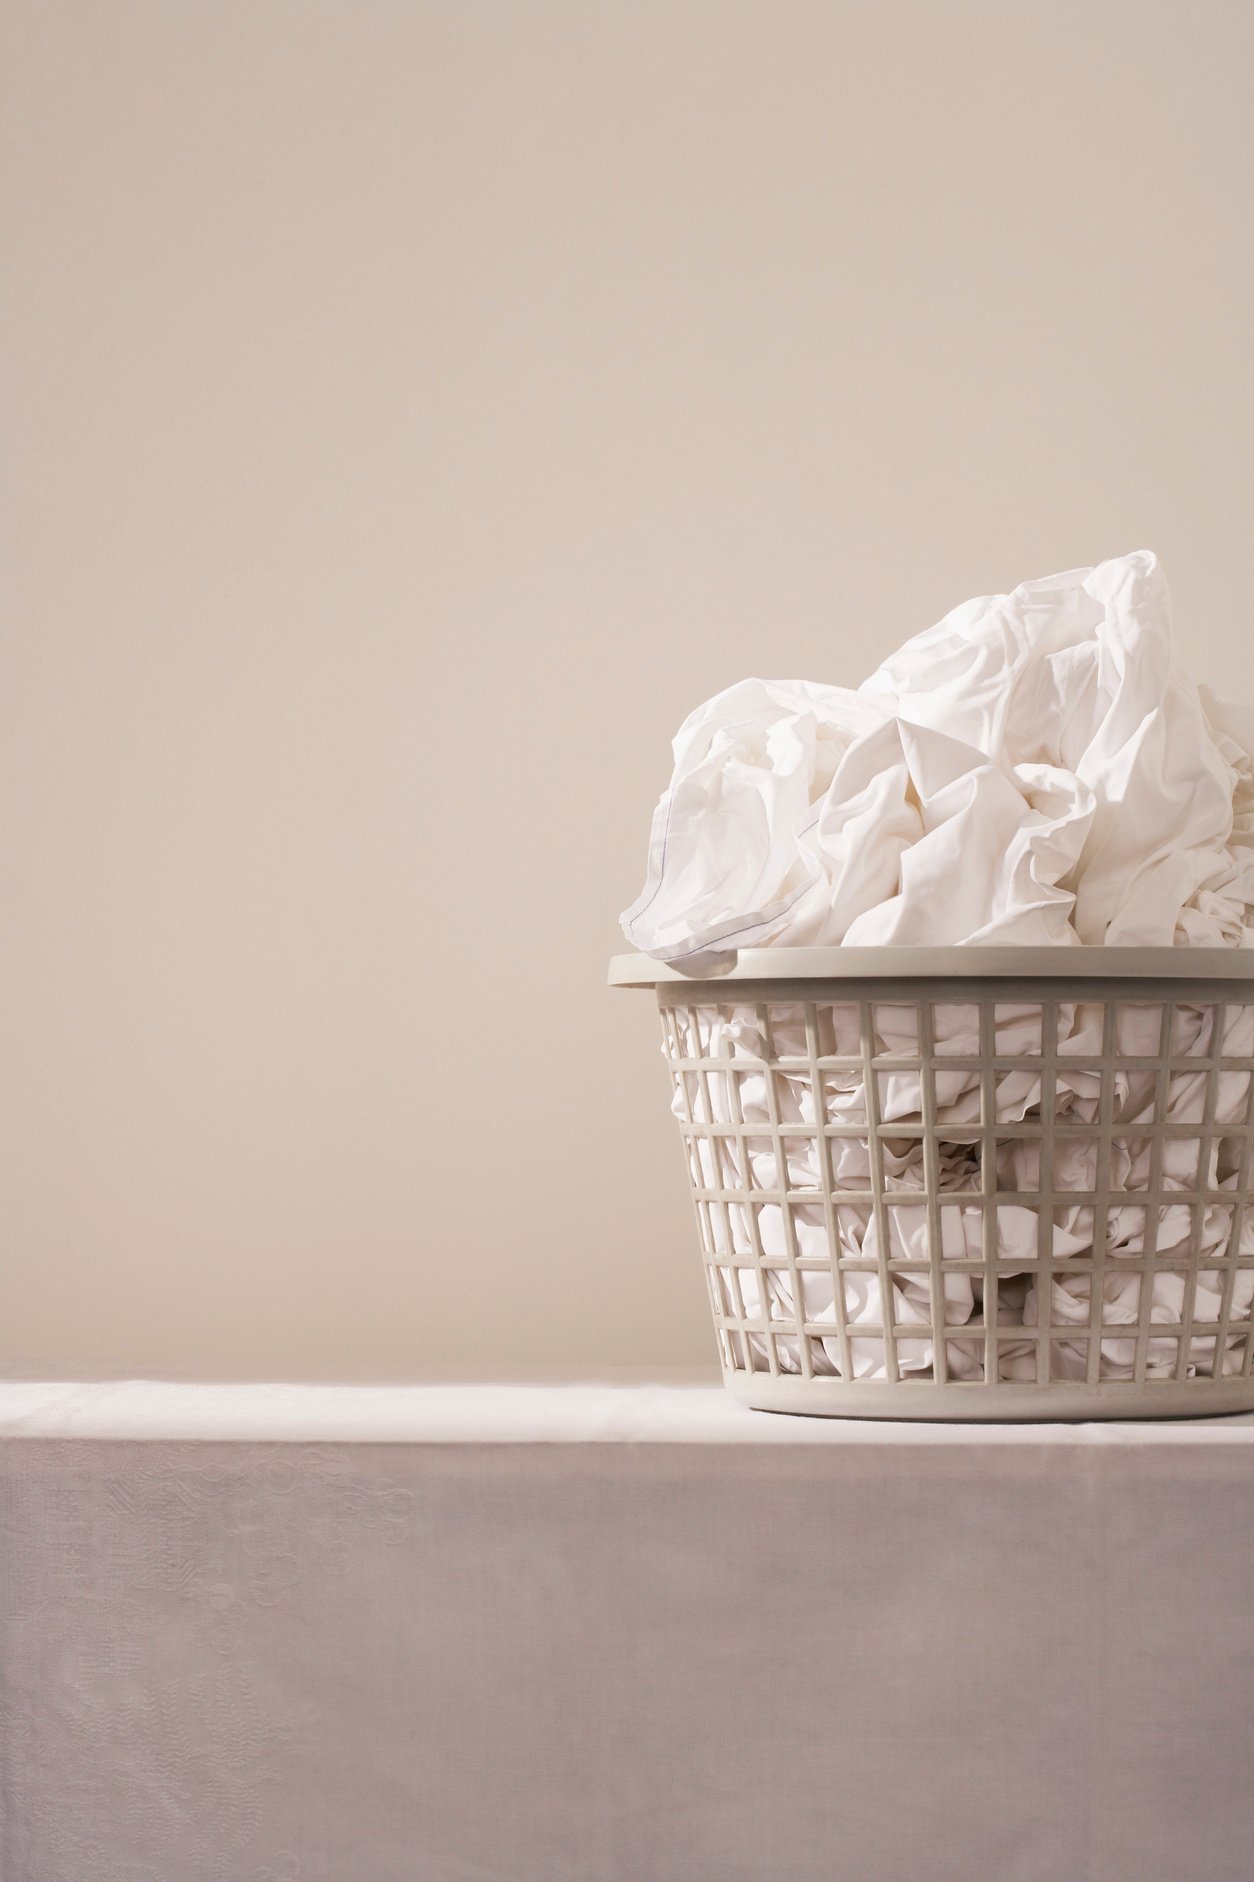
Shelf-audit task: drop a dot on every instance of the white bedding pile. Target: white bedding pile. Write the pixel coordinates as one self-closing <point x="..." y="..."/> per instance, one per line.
<point x="1035" y="769"/>
<point x="704" y="1034"/>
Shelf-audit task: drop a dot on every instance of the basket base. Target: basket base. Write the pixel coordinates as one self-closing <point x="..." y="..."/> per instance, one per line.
<point x="978" y="1403"/>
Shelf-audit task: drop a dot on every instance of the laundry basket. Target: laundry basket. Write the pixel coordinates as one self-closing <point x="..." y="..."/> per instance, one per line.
<point x="927" y="1191"/>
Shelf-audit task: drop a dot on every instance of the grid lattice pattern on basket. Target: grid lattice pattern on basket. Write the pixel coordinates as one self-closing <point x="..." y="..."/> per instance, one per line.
<point x="972" y="1189"/>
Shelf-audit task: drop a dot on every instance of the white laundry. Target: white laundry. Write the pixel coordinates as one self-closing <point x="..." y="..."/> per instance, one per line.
<point x="1045" y="741"/>
<point x="751" y="1233"/>
<point x="1034" y="769"/>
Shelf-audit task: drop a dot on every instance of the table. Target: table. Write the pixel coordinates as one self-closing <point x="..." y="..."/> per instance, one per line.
<point x="590" y="1634"/>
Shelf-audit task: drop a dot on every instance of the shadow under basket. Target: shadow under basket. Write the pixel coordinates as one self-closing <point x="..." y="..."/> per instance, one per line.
<point x="970" y="1183"/>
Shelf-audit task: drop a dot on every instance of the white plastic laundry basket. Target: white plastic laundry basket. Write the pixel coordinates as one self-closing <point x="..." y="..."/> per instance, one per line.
<point x="1003" y="1183"/>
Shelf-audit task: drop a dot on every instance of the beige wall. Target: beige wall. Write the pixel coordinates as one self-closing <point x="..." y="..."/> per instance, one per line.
<point x="410" y="411"/>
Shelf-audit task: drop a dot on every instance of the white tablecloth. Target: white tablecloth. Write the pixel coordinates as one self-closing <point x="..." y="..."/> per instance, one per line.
<point x="281" y="1634"/>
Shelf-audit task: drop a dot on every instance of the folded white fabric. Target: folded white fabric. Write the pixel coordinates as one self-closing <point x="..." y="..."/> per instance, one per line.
<point x="1033" y="770"/>
<point x="1045" y="740"/>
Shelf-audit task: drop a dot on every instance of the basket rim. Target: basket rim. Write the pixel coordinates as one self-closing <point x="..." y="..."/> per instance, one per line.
<point x="941" y="963"/>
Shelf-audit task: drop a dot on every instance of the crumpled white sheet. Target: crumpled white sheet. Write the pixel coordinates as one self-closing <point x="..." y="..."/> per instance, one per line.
<point x="1034" y="769"/>
<point x="1210" y="1161"/>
